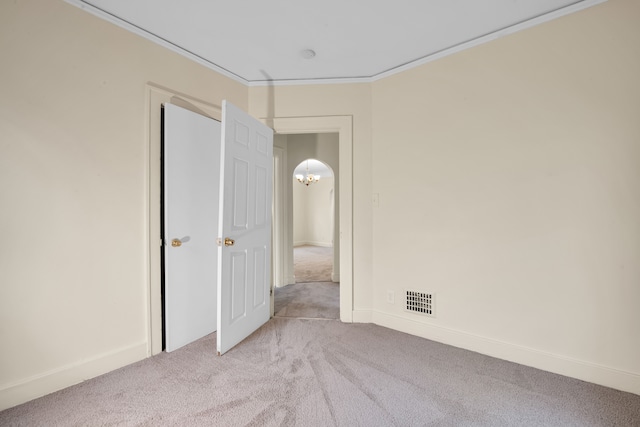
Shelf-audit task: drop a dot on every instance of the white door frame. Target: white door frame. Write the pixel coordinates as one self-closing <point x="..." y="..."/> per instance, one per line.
<point x="279" y="219"/>
<point x="343" y="125"/>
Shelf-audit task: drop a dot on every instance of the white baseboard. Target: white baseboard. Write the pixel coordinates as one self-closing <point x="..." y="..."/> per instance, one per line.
<point x="362" y="316"/>
<point x="307" y="243"/>
<point x="586" y="371"/>
<point x="285" y="285"/>
<point x="42" y="384"/>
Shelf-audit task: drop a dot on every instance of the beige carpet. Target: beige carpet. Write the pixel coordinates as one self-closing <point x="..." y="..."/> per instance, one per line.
<point x="313" y="296"/>
<point x="294" y="372"/>
<point x="319" y="300"/>
<point x="312" y="264"/>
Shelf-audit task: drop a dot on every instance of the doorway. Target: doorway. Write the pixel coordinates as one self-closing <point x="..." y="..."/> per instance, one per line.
<point x="314" y="213"/>
<point x="342" y="125"/>
<point x="314" y="295"/>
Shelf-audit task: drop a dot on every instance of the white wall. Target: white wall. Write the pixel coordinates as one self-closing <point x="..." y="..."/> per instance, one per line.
<point x="74" y="191"/>
<point x="313" y="212"/>
<point x="509" y="183"/>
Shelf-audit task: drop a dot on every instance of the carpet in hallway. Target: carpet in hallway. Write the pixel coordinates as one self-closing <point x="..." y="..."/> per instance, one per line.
<point x="316" y="300"/>
<point x="312" y="263"/>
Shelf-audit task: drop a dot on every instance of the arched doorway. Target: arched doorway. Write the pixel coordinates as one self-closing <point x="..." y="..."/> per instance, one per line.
<point x="312" y="289"/>
<point x="314" y="213"/>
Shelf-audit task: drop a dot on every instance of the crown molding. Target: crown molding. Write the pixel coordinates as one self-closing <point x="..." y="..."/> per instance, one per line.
<point x="156" y="39"/>
<point x="575" y="7"/>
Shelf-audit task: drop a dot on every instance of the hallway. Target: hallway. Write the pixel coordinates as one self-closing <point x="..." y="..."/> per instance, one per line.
<point x="313" y="296"/>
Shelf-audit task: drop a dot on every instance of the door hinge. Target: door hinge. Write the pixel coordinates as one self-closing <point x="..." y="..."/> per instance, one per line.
<point x="271" y="292"/>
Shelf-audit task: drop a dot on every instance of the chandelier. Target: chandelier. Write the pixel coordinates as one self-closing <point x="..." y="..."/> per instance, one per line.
<point x="309" y="178"/>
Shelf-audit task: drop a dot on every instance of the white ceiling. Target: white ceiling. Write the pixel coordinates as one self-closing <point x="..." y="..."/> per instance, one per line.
<point x="316" y="167"/>
<point x="260" y="41"/>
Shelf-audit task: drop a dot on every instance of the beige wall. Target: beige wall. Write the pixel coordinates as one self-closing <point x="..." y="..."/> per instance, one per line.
<point x="509" y="182"/>
<point x="313" y="213"/>
<point x="74" y="191"/>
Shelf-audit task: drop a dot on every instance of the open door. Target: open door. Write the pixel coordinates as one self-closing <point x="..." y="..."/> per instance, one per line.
<point x="191" y="165"/>
<point x="244" y="232"/>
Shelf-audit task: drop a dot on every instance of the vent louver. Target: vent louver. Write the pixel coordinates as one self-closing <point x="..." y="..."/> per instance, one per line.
<point x="420" y="302"/>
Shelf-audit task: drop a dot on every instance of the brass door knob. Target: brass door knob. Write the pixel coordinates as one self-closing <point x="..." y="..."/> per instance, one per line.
<point x="176" y="243"/>
<point x="228" y="241"/>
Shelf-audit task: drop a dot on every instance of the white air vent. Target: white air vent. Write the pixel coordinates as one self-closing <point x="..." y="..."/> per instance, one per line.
<point x="421" y="302"/>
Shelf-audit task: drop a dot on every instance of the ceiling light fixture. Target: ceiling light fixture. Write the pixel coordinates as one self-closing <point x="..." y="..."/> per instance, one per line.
<point x="306" y="180"/>
<point x="308" y="53"/>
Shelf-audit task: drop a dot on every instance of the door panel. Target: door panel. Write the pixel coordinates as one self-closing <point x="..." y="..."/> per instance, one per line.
<point x="191" y="165"/>
<point x="245" y="217"/>
<point x="259" y="286"/>
<point x="239" y="290"/>
<point x="240" y="185"/>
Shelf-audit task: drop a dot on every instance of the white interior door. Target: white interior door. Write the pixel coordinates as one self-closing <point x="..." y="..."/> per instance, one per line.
<point x="191" y="165"/>
<point x="244" y="274"/>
